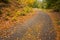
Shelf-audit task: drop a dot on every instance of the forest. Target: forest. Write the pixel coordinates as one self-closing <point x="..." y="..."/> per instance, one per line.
<point x="55" y="4"/>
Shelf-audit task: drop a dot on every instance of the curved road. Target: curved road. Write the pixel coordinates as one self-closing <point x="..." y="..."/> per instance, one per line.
<point x="39" y="27"/>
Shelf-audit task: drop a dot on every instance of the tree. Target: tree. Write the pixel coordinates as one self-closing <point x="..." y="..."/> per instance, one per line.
<point x="55" y="4"/>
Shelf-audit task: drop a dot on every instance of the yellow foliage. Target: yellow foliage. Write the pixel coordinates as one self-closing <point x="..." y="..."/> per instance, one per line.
<point x="26" y="2"/>
<point x="27" y="9"/>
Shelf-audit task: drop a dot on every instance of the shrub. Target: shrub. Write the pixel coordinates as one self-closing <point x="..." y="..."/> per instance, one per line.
<point x="24" y="11"/>
<point x="27" y="9"/>
<point x="35" y="4"/>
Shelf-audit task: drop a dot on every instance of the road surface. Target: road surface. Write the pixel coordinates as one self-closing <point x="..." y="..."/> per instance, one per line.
<point x="39" y="27"/>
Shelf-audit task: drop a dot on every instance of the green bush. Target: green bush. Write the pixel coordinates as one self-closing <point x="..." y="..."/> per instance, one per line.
<point x="55" y="5"/>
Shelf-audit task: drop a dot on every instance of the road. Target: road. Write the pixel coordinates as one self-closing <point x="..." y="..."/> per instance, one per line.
<point x="39" y="27"/>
